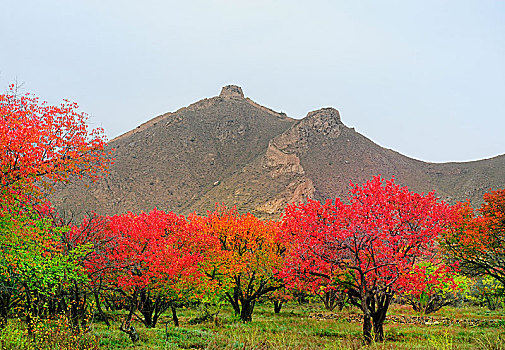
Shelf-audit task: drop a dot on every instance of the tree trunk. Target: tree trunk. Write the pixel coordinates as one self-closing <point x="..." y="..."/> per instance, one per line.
<point x="102" y="314"/>
<point x="146" y="308"/>
<point x="174" y="315"/>
<point x="329" y="299"/>
<point x="247" y="310"/>
<point x="378" y="329"/>
<point x="62" y="306"/>
<point x="82" y="311"/>
<point x="76" y="305"/>
<point x="234" y="303"/>
<point x="126" y="324"/>
<point x="5" y="302"/>
<point x="379" y="316"/>
<point x="367" y="327"/>
<point x="28" y="309"/>
<point x="160" y="306"/>
<point x="277" y="306"/>
<point x="151" y="309"/>
<point x="148" y="320"/>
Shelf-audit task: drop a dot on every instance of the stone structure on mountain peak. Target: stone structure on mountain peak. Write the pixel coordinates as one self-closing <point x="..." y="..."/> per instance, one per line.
<point x="230" y="91"/>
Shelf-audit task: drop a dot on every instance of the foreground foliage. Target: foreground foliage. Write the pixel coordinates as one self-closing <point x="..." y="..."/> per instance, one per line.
<point x="293" y="328"/>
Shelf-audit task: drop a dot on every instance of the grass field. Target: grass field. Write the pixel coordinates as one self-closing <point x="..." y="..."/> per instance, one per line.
<point x="296" y="327"/>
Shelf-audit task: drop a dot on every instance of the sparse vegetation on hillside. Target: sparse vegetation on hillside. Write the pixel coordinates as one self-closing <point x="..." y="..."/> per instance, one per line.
<point x="229" y="149"/>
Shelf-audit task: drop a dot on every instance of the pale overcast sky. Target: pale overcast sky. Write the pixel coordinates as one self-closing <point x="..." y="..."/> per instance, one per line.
<point x="425" y="78"/>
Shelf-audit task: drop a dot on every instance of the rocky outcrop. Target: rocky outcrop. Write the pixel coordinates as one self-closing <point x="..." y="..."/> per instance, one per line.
<point x="296" y="192"/>
<point x="281" y="163"/>
<point x="325" y="122"/>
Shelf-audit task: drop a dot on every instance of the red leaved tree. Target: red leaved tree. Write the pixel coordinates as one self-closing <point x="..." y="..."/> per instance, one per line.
<point x="367" y="245"/>
<point x="305" y="272"/>
<point x="430" y="286"/>
<point x="40" y="142"/>
<point x="150" y="259"/>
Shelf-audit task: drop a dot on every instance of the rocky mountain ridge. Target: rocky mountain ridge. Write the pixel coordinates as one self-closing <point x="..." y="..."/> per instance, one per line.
<point x="230" y="149"/>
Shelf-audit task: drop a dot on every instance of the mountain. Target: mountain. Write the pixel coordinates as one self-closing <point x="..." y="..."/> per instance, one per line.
<point x="229" y="149"/>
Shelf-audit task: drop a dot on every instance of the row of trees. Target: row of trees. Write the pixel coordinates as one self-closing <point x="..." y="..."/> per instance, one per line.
<point x="384" y="243"/>
<point x="41" y="144"/>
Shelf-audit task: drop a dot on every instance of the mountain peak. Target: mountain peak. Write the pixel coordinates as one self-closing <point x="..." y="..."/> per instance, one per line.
<point x="324" y="121"/>
<point x="230" y="91"/>
<point x="327" y="113"/>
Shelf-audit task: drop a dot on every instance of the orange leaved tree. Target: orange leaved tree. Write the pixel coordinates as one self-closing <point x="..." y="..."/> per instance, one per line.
<point x="245" y="259"/>
<point x="477" y="242"/>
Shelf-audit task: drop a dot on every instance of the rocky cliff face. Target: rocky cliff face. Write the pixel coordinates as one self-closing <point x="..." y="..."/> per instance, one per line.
<point x="229" y="149"/>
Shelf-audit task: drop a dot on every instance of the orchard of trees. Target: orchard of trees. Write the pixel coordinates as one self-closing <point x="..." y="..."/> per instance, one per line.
<point x="383" y="244"/>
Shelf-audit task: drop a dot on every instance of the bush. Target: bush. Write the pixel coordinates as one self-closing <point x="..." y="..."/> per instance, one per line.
<point x="47" y="335"/>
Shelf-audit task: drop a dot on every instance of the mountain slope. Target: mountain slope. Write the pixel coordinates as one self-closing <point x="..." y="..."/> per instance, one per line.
<point x="175" y="158"/>
<point x="230" y="149"/>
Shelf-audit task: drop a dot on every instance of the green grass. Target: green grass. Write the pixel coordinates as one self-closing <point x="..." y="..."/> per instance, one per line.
<point x="293" y="328"/>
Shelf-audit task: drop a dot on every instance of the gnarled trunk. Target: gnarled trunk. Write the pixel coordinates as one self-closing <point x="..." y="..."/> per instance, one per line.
<point x="152" y="309"/>
<point x="146" y="308"/>
<point x="331" y="299"/>
<point x="277" y="306"/>
<point x="379" y="315"/>
<point x="247" y="310"/>
<point x="102" y="314"/>
<point x="367" y="327"/>
<point x="374" y="314"/>
<point x="378" y="329"/>
<point x="233" y="299"/>
<point x="245" y="295"/>
<point x="126" y="324"/>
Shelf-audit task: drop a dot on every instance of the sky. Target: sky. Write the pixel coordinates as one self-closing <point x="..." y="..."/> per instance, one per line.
<point x="425" y="78"/>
